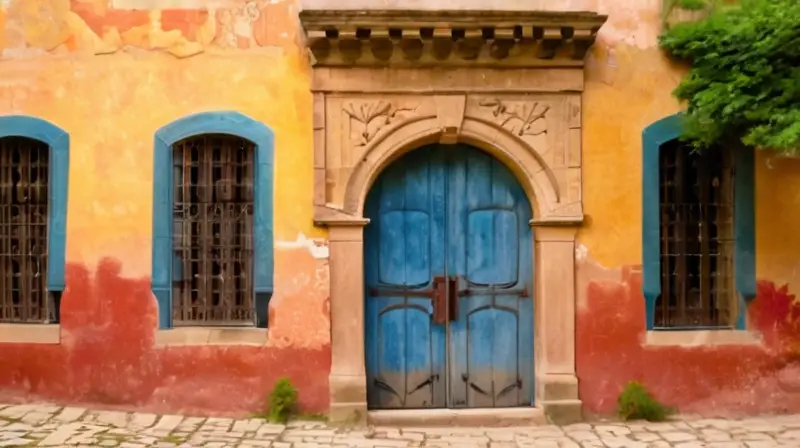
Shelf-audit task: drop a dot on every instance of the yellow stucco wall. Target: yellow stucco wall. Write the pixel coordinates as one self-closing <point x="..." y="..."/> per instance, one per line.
<point x="111" y="77"/>
<point x="112" y="104"/>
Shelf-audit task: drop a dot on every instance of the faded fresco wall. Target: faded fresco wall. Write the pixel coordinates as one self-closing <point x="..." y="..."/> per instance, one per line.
<point x="111" y="77"/>
<point x="628" y="87"/>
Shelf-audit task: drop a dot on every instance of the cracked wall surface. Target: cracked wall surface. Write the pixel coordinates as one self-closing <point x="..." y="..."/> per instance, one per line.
<point x="178" y="27"/>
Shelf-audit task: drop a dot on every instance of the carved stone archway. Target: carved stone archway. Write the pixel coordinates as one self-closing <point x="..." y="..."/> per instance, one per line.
<point x="509" y="83"/>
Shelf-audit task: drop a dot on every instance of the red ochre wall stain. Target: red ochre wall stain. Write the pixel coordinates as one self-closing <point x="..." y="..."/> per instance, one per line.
<point x="710" y="380"/>
<point x="100" y="19"/>
<point x="107" y="356"/>
<point x="95" y="27"/>
<point x="187" y="22"/>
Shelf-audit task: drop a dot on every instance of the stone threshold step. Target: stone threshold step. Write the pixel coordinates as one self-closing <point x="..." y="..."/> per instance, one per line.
<point x="492" y="417"/>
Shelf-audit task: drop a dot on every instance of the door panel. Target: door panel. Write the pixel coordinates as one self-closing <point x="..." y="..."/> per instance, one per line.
<point x="489" y="250"/>
<point x="404" y="252"/>
<point x="448" y="212"/>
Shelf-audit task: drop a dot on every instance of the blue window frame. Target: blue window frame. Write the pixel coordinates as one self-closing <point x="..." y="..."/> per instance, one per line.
<point x="220" y="122"/>
<point x="654" y="137"/>
<point x="58" y="141"/>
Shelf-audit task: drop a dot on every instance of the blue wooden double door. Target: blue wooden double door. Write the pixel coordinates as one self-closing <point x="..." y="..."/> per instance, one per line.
<point x="449" y="309"/>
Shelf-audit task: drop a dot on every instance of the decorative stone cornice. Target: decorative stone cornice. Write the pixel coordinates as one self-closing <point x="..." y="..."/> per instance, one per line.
<point x="394" y="38"/>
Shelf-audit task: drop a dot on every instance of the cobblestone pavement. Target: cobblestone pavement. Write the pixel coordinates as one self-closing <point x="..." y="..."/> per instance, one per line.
<point x="44" y="425"/>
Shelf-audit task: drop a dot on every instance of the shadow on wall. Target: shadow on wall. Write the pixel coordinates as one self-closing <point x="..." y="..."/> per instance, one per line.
<point x="709" y="380"/>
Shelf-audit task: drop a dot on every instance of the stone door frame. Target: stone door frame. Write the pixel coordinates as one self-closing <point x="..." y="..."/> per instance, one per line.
<point x="522" y="105"/>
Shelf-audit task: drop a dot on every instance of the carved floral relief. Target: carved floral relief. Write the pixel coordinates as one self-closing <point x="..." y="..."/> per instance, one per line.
<point x="521" y="118"/>
<point x="367" y="119"/>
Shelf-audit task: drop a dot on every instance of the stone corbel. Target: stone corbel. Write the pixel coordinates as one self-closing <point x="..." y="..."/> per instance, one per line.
<point x="450" y="113"/>
<point x="328" y="216"/>
<point x="557" y="221"/>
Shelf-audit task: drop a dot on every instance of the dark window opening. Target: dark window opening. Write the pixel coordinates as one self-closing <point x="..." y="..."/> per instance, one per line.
<point x="697" y="243"/>
<point x="212" y="270"/>
<point x="24" y="195"/>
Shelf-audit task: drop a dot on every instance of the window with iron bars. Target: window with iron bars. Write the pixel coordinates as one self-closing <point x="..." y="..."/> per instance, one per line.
<point x="697" y="240"/>
<point x="212" y="269"/>
<point x="24" y="197"/>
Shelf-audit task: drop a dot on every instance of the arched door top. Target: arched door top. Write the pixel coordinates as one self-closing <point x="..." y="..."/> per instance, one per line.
<point x="534" y="139"/>
<point x="530" y="170"/>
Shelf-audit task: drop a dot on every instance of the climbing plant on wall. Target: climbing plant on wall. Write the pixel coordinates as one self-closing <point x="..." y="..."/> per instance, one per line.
<point x="743" y="86"/>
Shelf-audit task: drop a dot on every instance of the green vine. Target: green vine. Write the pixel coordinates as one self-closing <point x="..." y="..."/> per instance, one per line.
<point x="743" y="87"/>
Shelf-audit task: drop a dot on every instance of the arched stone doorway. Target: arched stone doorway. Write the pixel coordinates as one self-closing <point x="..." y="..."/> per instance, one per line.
<point x="377" y="96"/>
<point x="553" y="268"/>
<point x="448" y="283"/>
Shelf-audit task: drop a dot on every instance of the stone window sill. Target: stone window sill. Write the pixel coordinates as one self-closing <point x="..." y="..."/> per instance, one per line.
<point x="700" y="338"/>
<point x="30" y="334"/>
<point x="193" y="336"/>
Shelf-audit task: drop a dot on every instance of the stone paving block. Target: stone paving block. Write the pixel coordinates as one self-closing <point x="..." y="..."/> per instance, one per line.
<point x="12" y="435"/>
<point x="248" y="425"/>
<point x="16" y="412"/>
<point x="69" y="414"/>
<point x="36" y="417"/>
<point x="582" y="436"/>
<point x="18" y="427"/>
<point x="616" y="430"/>
<point x="15" y="442"/>
<point x="645" y="437"/>
<point x="592" y="444"/>
<point x="142" y="420"/>
<point x="677" y="436"/>
<point x="113" y="418"/>
<point x="270" y="429"/>
<point x="166" y="424"/>
<point x="256" y="444"/>
<point x="660" y="444"/>
<point x="61" y="435"/>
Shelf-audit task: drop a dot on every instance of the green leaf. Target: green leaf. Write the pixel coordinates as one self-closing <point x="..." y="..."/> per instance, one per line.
<point x="744" y="83"/>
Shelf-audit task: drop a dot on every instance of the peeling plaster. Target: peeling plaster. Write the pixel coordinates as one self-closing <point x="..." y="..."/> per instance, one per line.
<point x="581" y="252"/>
<point x="173" y="4"/>
<point x="318" y="247"/>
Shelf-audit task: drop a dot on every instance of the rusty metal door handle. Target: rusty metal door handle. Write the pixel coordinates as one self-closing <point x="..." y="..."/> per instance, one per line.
<point x="452" y="292"/>
<point x="439" y="300"/>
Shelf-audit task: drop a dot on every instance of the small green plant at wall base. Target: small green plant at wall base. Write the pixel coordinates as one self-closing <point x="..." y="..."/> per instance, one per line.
<point x="636" y="403"/>
<point x="282" y="401"/>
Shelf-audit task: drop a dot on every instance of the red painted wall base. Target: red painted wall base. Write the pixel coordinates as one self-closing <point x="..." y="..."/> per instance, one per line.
<point x="720" y="380"/>
<point x="107" y="356"/>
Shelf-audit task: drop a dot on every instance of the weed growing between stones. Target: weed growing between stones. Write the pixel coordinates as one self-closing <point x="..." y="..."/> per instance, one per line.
<point x="636" y="403"/>
<point x="282" y="401"/>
